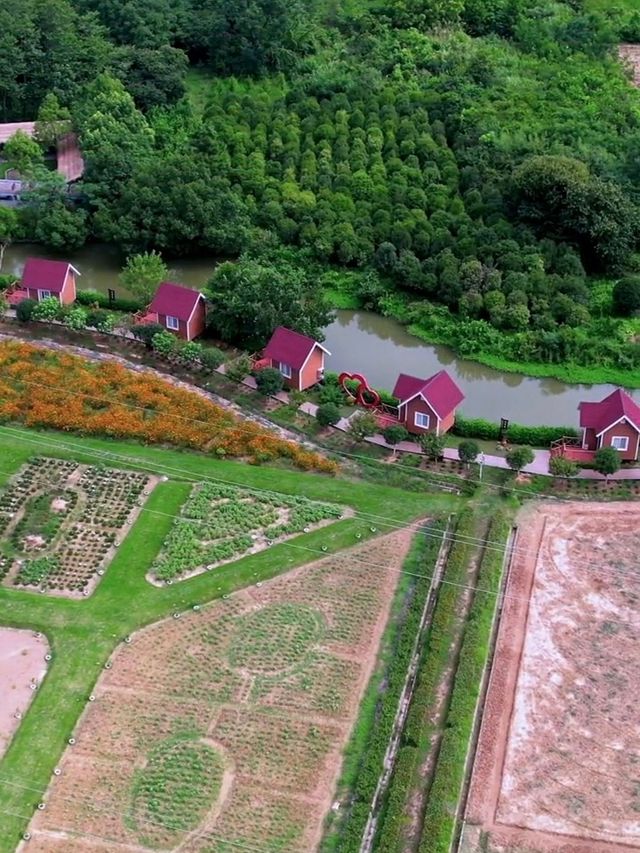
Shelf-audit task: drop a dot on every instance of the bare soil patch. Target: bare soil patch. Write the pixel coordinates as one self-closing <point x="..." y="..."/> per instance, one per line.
<point x="558" y="761"/>
<point x="22" y="668"/>
<point x="269" y="679"/>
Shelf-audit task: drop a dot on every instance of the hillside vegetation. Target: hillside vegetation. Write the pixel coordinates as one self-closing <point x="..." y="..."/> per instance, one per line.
<point x="468" y="167"/>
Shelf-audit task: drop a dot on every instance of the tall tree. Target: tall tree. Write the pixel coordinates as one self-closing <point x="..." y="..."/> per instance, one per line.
<point x="251" y="297"/>
<point x="143" y="273"/>
<point x="8" y="229"/>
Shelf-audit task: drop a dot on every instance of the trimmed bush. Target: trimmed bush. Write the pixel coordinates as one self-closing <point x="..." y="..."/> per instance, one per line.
<point x="92" y="298"/>
<point x="468" y="451"/>
<point x="328" y="414"/>
<point x="520" y="457"/>
<point x="146" y="333"/>
<point x="47" y="309"/>
<point x="269" y="381"/>
<point x="394" y="434"/>
<point x="239" y="368"/>
<point x="331" y="394"/>
<point x="212" y="357"/>
<point x="561" y="467"/>
<point x="24" y="310"/>
<point x="164" y="343"/>
<point x="362" y="425"/>
<point x="191" y="352"/>
<point x="76" y="318"/>
<point x="607" y="461"/>
<point x="535" y="436"/>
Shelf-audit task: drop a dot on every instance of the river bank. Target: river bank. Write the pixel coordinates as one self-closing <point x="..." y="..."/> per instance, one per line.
<point x="100" y="266"/>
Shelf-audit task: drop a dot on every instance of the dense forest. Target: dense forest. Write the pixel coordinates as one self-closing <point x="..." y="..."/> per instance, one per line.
<point x="469" y="166"/>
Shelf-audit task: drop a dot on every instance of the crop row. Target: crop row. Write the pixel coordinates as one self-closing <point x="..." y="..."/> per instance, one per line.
<point x="365" y="754"/>
<point x="440" y="816"/>
<point x="435" y="659"/>
<point x="221" y="522"/>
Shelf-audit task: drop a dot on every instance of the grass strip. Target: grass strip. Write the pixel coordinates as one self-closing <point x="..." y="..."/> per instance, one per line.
<point x="440" y="816"/>
<point x="417" y="734"/>
<point x="364" y="755"/>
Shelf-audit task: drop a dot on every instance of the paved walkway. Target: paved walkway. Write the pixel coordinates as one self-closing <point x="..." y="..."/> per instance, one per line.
<point x="540" y="464"/>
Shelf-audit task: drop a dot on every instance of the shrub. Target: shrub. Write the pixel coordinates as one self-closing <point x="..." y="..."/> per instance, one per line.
<point x="269" y="381"/>
<point x="535" y="436"/>
<point x="559" y="466"/>
<point x="328" y="414"/>
<point x="606" y="461"/>
<point x="212" y="357"/>
<point x="146" y="333"/>
<point x="239" y="368"/>
<point x="6" y="280"/>
<point x="432" y="444"/>
<point x="520" y="457"/>
<point x="191" y="352"/>
<point x="468" y="451"/>
<point x="101" y="320"/>
<point x="164" y="343"/>
<point x="93" y="298"/>
<point x="47" y="310"/>
<point x="76" y="318"/>
<point x="331" y="394"/>
<point x="394" y="434"/>
<point x="362" y="425"/>
<point x="24" y="310"/>
<point x="626" y="296"/>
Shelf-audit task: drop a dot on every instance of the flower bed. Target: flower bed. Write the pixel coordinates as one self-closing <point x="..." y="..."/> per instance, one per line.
<point x="222" y="523"/>
<point x="60" y="521"/>
<point x="46" y="388"/>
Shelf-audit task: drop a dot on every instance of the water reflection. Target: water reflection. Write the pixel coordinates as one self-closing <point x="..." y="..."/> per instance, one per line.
<point x="381" y="348"/>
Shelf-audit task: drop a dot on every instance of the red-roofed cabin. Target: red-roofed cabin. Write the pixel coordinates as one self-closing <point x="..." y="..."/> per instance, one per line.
<point x="427" y="405"/>
<point x="299" y="359"/>
<point x="179" y="309"/>
<point x="613" y="422"/>
<point x="42" y="279"/>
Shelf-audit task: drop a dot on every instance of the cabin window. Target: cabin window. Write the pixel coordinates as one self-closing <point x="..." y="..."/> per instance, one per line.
<point x="44" y="294"/>
<point x="620" y="442"/>
<point x="285" y="370"/>
<point x="422" y="420"/>
<point x="173" y="323"/>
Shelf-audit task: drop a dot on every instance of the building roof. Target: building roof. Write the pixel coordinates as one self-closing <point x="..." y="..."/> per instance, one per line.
<point x="8" y="130"/>
<point x="176" y="300"/>
<point x="292" y="348"/>
<point x="600" y="416"/>
<point x="44" y="274"/>
<point x="440" y="391"/>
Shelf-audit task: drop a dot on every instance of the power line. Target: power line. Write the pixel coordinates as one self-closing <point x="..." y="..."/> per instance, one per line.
<point x="366" y="517"/>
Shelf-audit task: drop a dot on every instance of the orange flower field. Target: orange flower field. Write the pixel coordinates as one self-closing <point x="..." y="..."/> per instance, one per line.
<point x="46" y="388"/>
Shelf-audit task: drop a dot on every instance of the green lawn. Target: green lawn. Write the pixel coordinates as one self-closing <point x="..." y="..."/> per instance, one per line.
<point x="83" y="634"/>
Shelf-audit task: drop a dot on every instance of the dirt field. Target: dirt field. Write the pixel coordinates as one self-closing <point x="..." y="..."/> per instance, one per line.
<point x="558" y="763"/>
<point x="22" y="664"/>
<point x="222" y="729"/>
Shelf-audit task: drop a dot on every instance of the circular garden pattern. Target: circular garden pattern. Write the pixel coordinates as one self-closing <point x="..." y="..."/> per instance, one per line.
<point x="275" y="638"/>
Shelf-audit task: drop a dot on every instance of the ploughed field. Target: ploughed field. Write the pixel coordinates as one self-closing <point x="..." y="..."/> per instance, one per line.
<point x="558" y="761"/>
<point x="222" y="728"/>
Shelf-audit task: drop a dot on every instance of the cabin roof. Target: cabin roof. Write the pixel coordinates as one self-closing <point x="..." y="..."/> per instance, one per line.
<point x="439" y="391"/>
<point x="45" y="274"/>
<point x="292" y="348"/>
<point x="600" y="416"/>
<point x="175" y="300"/>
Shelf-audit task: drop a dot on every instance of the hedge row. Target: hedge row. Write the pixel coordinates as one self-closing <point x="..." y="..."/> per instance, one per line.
<point x="536" y="436"/>
<point x="94" y="297"/>
<point x="365" y="754"/>
<point x="440" y="817"/>
<point x="435" y="659"/>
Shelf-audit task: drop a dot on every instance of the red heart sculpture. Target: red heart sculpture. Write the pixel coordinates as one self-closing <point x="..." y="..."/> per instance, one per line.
<point x="363" y="388"/>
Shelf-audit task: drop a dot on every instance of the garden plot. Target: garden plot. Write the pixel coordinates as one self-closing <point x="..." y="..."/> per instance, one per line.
<point x="219" y="524"/>
<point x="23" y="665"/>
<point x="557" y="762"/>
<point x="60" y="523"/>
<point x="222" y="728"/>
